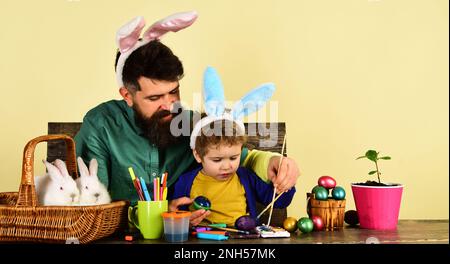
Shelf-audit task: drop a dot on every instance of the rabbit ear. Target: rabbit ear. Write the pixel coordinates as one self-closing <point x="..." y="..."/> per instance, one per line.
<point x="128" y="34"/>
<point x="82" y="167"/>
<point x="213" y="94"/>
<point x="93" y="167"/>
<point x="61" y="165"/>
<point x="172" y="23"/>
<point x="253" y="101"/>
<point x="53" y="171"/>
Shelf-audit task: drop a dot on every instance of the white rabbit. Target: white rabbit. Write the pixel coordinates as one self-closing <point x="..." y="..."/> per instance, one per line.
<point x="56" y="187"/>
<point x="92" y="190"/>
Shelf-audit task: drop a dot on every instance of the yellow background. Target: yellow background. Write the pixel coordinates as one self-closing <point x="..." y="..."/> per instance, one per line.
<point x="350" y="75"/>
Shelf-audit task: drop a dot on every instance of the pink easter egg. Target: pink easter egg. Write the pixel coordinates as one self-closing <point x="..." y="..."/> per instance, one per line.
<point x="327" y="182"/>
<point x="318" y="223"/>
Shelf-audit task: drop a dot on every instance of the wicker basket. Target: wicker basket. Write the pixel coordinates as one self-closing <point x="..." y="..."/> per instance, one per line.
<point x="23" y="219"/>
<point x="331" y="211"/>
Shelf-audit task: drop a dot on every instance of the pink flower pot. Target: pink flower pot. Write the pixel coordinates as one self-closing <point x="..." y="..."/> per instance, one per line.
<point x="377" y="206"/>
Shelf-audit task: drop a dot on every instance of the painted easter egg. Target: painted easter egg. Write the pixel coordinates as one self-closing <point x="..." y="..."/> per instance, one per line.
<point x="327" y="182"/>
<point x="201" y="202"/>
<point x="245" y="222"/>
<point x="351" y="217"/>
<point x="305" y="225"/>
<point x="338" y="193"/>
<point x="315" y="188"/>
<point x="321" y="193"/>
<point x="290" y="224"/>
<point x="318" y="222"/>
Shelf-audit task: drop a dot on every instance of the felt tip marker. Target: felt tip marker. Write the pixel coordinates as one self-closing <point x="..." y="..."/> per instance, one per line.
<point x="145" y="190"/>
<point x="211" y="236"/>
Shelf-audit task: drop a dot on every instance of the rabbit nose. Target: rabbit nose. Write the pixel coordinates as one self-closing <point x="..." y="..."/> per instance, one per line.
<point x="96" y="195"/>
<point x="72" y="195"/>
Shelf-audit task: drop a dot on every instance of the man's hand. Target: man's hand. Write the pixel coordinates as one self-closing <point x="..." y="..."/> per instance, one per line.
<point x="286" y="178"/>
<point x="196" y="216"/>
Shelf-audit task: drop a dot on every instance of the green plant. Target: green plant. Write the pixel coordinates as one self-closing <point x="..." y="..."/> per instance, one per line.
<point x="373" y="156"/>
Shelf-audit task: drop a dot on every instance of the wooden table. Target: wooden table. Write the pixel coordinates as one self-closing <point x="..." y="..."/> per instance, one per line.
<point x="408" y="232"/>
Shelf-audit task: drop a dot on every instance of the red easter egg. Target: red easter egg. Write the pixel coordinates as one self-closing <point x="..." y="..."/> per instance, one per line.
<point x="318" y="222"/>
<point x="327" y="182"/>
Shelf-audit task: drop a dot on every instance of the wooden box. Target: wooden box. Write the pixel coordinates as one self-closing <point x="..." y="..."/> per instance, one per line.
<point x="331" y="211"/>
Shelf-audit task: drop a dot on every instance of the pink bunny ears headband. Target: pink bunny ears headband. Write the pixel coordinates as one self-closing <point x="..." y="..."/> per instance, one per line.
<point x="127" y="36"/>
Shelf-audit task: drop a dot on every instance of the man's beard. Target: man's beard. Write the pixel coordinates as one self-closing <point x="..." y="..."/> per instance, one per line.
<point x="155" y="129"/>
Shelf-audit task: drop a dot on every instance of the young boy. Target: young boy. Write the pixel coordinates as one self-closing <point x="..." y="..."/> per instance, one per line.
<point x="232" y="190"/>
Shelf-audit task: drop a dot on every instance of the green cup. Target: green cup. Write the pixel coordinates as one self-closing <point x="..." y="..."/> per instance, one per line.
<point x="146" y="216"/>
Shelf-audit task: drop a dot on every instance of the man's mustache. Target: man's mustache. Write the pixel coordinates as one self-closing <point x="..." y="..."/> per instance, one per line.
<point x="161" y="114"/>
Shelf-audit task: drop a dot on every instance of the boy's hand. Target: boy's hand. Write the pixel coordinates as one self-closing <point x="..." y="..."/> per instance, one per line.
<point x="286" y="178"/>
<point x="196" y="216"/>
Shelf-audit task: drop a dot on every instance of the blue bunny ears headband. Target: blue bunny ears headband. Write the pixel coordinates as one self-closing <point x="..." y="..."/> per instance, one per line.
<point x="214" y="100"/>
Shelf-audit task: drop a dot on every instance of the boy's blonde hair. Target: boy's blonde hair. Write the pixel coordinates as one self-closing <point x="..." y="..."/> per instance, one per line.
<point x="219" y="132"/>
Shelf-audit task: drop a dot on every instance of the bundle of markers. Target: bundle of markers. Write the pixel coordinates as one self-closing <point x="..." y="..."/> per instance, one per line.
<point x="159" y="187"/>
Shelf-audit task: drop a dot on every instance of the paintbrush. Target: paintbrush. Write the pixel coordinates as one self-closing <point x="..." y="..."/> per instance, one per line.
<point x="227" y="229"/>
<point x="274" y="190"/>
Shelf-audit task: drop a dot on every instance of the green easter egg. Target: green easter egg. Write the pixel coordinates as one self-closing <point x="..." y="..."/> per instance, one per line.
<point x="305" y="225"/>
<point x="201" y="202"/>
<point x="321" y="193"/>
<point x="338" y="193"/>
<point x="315" y="188"/>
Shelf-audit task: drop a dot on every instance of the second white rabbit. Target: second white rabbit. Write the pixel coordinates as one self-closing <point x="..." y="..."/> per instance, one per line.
<point x="92" y="191"/>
